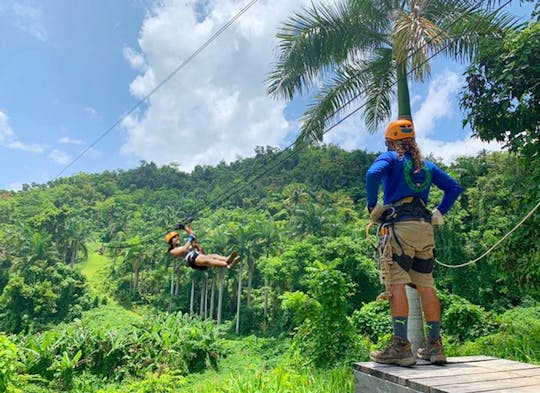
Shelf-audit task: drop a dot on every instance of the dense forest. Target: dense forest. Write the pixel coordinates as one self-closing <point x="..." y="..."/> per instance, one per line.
<point x="90" y="298"/>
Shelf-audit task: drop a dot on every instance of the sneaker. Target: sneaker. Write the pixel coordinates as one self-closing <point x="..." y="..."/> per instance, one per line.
<point x="432" y="350"/>
<point x="233" y="255"/>
<point x="398" y="352"/>
<point x="234" y="262"/>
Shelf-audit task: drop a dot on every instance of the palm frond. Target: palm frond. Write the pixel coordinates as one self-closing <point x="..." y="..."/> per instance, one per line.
<point x="464" y="23"/>
<point x="311" y="43"/>
<point x="359" y="79"/>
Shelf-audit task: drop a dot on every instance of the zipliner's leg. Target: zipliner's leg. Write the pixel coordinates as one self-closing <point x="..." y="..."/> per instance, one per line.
<point x="216" y="260"/>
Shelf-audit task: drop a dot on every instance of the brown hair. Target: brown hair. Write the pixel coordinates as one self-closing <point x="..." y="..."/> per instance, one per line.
<point x="408" y="145"/>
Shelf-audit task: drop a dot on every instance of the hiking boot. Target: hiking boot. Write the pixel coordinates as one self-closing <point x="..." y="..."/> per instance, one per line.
<point x="432" y="350"/>
<point x="398" y="352"/>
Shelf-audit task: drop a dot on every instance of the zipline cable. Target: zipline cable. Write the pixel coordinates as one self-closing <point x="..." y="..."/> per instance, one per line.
<point x="226" y="194"/>
<point x="159" y="85"/>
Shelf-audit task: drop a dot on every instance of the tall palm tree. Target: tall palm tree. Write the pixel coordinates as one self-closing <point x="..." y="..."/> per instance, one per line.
<point x="360" y="49"/>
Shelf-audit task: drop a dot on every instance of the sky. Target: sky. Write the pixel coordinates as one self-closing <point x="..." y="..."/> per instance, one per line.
<point x="74" y="74"/>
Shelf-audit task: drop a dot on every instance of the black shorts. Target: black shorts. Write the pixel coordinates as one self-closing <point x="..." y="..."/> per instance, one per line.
<point x="190" y="259"/>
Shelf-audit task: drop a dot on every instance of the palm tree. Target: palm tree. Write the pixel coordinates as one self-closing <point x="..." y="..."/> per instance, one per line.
<point x="360" y="49"/>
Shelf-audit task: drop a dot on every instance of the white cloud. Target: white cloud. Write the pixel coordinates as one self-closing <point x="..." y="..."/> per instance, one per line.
<point x="449" y="151"/>
<point x="30" y="19"/>
<point x="9" y="139"/>
<point x="14" y="186"/>
<point x="6" y="132"/>
<point x="59" y="157"/>
<point x="216" y="107"/>
<point x="18" y="145"/>
<point x="436" y="118"/>
<point x="438" y="104"/>
<point x="70" y="141"/>
<point x="90" y="112"/>
<point x="135" y="59"/>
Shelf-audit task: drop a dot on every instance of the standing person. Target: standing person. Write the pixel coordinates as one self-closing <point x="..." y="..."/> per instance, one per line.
<point x="193" y="254"/>
<point x="406" y="178"/>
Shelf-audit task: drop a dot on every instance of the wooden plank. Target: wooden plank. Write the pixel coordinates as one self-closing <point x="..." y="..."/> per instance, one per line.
<point x="467" y="374"/>
<point x="440" y="383"/>
<point x="401" y="375"/>
<point x="469" y="359"/>
<point x="490" y="386"/>
<point x="524" y="389"/>
<point x="365" y="383"/>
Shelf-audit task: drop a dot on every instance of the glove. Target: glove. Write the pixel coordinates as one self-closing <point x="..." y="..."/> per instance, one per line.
<point x="191" y="237"/>
<point x="436" y="217"/>
<point x="376" y="212"/>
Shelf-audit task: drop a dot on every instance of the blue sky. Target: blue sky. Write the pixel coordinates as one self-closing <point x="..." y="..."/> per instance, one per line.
<point x="72" y="68"/>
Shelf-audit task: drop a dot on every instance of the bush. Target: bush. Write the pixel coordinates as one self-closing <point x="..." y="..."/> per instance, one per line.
<point x="462" y="320"/>
<point x="517" y="338"/>
<point x="8" y="365"/>
<point x="373" y="320"/>
<point x="116" y="346"/>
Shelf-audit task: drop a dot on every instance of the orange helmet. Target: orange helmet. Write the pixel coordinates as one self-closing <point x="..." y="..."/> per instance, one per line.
<point x="169" y="236"/>
<point x="399" y="129"/>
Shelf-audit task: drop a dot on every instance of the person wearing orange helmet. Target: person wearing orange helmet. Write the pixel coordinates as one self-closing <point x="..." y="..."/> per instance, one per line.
<point x="193" y="254"/>
<point x="406" y="178"/>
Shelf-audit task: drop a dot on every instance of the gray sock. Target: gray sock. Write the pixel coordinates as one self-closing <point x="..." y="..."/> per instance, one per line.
<point x="400" y="327"/>
<point x="434" y="329"/>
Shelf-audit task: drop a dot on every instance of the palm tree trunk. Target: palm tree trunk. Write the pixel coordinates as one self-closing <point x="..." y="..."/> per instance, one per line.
<point x="172" y="280"/>
<point x="238" y="299"/>
<point x="265" y="321"/>
<point x="136" y="280"/>
<point x="73" y="257"/>
<point x="205" y="297"/>
<point x="250" y="281"/>
<point x="404" y="101"/>
<point x="201" y="304"/>
<point x="192" y="299"/>
<point x="212" y="292"/>
<point x="220" y="296"/>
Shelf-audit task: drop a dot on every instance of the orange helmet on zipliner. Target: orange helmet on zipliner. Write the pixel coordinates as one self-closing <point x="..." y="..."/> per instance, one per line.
<point x="399" y="129"/>
<point x="169" y="236"/>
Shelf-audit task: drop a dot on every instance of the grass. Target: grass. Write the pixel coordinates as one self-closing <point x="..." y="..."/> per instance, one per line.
<point x="94" y="269"/>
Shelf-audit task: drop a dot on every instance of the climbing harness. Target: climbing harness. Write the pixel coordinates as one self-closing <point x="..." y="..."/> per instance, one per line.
<point x="407" y="208"/>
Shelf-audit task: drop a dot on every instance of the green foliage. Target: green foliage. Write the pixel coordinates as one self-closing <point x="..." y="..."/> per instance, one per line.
<point x="502" y="99"/>
<point x="152" y="383"/>
<point x="373" y="320"/>
<point x="517" y="338"/>
<point x="462" y="320"/>
<point x="8" y="366"/>
<point x="40" y="292"/>
<point x="327" y="336"/>
<point x="115" y="344"/>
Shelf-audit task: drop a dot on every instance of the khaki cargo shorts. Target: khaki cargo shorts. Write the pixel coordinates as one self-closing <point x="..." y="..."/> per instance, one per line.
<point x="417" y="240"/>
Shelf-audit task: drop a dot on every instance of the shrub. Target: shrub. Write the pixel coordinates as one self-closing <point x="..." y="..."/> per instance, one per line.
<point x="373" y="320"/>
<point x="517" y="338"/>
<point x="463" y="320"/>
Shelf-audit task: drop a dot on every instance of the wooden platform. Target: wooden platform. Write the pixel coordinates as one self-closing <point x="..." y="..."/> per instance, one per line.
<point x="467" y="374"/>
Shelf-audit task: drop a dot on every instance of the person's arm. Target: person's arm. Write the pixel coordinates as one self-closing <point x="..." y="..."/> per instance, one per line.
<point x="448" y="185"/>
<point x="182" y="251"/>
<point x="374" y="176"/>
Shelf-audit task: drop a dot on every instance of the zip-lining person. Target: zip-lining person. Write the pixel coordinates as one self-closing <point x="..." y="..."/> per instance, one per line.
<point x="193" y="253"/>
<point x="406" y="178"/>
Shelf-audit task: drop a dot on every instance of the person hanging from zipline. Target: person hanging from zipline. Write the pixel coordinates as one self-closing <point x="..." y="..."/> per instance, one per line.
<point x="193" y="253"/>
<point x="407" y="256"/>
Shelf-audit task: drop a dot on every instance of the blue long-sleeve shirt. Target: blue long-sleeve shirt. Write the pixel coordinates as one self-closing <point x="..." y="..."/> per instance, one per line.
<point x="390" y="171"/>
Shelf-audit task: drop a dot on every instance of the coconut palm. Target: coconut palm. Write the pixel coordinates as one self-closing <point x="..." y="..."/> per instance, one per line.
<point x="360" y="49"/>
